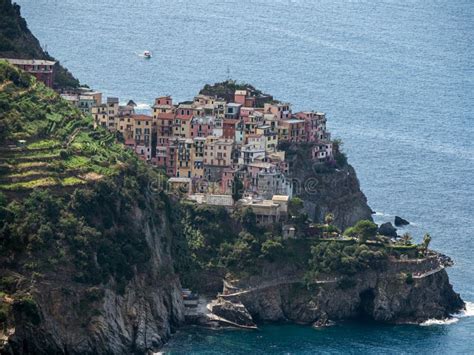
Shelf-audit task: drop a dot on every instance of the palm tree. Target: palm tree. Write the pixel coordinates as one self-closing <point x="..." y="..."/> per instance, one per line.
<point x="329" y="219"/>
<point x="406" y="239"/>
<point x="426" y="243"/>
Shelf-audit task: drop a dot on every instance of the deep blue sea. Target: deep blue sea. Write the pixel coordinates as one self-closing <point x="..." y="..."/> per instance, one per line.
<point x="396" y="79"/>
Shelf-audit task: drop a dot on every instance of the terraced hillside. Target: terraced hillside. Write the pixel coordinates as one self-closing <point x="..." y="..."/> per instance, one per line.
<point x="82" y="236"/>
<point x="45" y="142"/>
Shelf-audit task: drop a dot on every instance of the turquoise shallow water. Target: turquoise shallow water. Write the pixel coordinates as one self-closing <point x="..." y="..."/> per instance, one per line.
<point x="395" y="78"/>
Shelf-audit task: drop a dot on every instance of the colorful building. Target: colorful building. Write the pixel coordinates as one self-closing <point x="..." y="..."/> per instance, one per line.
<point x="42" y="70"/>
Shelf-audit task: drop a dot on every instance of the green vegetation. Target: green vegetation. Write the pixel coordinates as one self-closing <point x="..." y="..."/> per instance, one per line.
<point x="339" y="156"/>
<point x="363" y="230"/>
<point x="62" y="149"/>
<point x="237" y="189"/>
<point x="211" y="238"/>
<point x="226" y="89"/>
<point x="73" y="203"/>
<point x="84" y="230"/>
<point x="329" y="257"/>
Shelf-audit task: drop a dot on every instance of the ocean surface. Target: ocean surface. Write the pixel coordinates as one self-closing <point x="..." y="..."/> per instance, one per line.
<point x="395" y="78"/>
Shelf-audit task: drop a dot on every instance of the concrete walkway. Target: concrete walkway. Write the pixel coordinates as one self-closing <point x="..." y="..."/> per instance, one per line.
<point x="285" y="281"/>
<point x="428" y="273"/>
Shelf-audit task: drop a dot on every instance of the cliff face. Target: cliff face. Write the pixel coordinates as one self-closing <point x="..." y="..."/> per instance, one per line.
<point x="380" y="296"/>
<point x="325" y="189"/>
<point x="74" y="318"/>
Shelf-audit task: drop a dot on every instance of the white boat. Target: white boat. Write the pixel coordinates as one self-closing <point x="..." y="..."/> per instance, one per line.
<point x="147" y="54"/>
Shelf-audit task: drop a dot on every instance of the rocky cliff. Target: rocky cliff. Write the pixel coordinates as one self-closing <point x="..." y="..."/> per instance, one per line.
<point x="327" y="189"/>
<point x="381" y="296"/>
<point x="79" y="318"/>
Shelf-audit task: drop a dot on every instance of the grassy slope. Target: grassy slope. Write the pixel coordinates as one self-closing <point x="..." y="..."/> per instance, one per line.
<point x="61" y="146"/>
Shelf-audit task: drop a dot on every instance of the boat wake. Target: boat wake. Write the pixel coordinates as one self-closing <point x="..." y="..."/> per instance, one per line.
<point x="468" y="312"/>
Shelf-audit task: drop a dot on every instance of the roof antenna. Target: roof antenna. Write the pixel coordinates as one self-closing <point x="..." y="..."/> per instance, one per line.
<point x="228" y="73"/>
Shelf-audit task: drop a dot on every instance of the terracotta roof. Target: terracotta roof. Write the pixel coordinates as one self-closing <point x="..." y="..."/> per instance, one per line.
<point x="231" y="122"/>
<point x="185" y="118"/>
<point x="166" y="115"/>
<point x="142" y="117"/>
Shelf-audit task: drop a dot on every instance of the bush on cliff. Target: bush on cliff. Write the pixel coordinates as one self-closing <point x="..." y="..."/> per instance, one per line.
<point x="336" y="257"/>
<point x="363" y="230"/>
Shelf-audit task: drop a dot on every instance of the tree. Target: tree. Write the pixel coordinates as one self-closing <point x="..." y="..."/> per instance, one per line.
<point x="364" y="230"/>
<point x="426" y="242"/>
<point x="406" y="239"/>
<point x="248" y="219"/>
<point x="272" y="248"/>
<point x="295" y="206"/>
<point x="329" y="219"/>
<point x="237" y="188"/>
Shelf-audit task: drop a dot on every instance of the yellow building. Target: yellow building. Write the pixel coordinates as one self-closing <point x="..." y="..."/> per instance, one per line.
<point x="197" y="157"/>
<point x="270" y="138"/>
<point x="184" y="161"/>
<point x="218" y="151"/>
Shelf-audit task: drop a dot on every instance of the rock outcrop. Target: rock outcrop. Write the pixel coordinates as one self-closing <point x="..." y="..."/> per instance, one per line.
<point x="388" y="230"/>
<point x="399" y="221"/>
<point x="389" y="296"/>
<point x="324" y="191"/>
<point x="232" y="313"/>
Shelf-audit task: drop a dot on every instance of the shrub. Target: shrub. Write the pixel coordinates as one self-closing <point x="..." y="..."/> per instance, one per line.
<point x="272" y="249"/>
<point x="93" y="294"/>
<point x="364" y="230"/>
<point x="28" y="308"/>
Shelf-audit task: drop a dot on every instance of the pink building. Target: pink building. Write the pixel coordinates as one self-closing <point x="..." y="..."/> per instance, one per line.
<point x="239" y="97"/>
<point x="279" y="110"/>
<point x="291" y="130"/>
<point x="166" y="155"/>
<point x="245" y="112"/>
<point x="227" y="180"/>
<point x="315" y="125"/>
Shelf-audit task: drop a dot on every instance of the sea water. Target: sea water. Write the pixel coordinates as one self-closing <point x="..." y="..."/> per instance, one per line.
<point x="395" y="79"/>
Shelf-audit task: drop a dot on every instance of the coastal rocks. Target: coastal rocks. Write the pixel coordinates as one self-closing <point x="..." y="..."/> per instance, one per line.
<point x="323" y="322"/>
<point x="231" y="313"/>
<point x="387" y="229"/>
<point x="399" y="221"/>
<point x="384" y="296"/>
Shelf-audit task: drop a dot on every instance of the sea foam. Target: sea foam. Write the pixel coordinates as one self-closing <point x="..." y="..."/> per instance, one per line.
<point x="468" y="312"/>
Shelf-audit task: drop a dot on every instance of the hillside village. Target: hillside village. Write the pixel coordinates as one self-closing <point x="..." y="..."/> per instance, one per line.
<point x="227" y="144"/>
<point x="214" y="140"/>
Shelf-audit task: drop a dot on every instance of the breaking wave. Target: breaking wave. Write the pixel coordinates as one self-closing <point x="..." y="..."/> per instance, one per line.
<point x="445" y="321"/>
<point x="468" y="312"/>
